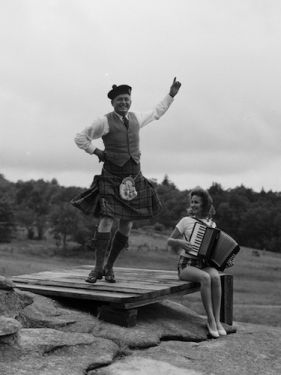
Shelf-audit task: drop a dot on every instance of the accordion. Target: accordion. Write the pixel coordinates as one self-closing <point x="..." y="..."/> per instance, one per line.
<point x="214" y="245"/>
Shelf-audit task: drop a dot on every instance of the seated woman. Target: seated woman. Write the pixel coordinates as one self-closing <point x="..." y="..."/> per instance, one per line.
<point x="192" y="268"/>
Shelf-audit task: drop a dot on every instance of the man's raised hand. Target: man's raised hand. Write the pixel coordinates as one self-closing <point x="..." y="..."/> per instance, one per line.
<point x="174" y="89"/>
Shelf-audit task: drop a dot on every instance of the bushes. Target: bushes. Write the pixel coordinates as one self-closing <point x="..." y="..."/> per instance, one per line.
<point x="6" y="221"/>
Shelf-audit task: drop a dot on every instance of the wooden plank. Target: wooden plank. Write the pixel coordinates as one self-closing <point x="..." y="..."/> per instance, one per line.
<point x="137" y="283"/>
<point x="123" y="284"/>
<point x="148" y="301"/>
<point x="130" y="269"/>
<point x="100" y="285"/>
<point x="226" y="313"/>
<point x="76" y="293"/>
<point x="122" y="270"/>
<point x="140" y="286"/>
<point x="113" y="296"/>
<point x="81" y="277"/>
<point x="121" y="301"/>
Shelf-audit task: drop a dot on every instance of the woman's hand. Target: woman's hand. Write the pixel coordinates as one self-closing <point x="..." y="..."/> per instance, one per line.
<point x="185" y="245"/>
<point x="176" y="240"/>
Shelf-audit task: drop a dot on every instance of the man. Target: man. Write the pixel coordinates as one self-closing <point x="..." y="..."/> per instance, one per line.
<point x="120" y="191"/>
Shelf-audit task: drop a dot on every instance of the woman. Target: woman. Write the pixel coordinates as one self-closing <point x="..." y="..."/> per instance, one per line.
<point x="192" y="268"/>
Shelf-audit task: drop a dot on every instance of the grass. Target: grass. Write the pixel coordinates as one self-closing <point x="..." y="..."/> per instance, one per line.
<point x="257" y="276"/>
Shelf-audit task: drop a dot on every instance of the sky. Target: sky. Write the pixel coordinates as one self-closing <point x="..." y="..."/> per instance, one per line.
<point x="59" y="58"/>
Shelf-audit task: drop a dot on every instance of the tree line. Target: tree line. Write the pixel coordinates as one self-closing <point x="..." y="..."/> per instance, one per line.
<point x="252" y="218"/>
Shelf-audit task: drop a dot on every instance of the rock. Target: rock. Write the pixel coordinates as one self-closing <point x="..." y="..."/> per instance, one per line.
<point x="45" y="340"/>
<point x="169" y="338"/>
<point x="6" y="284"/>
<point x="143" y="366"/>
<point x="8" y="326"/>
<point x="254" y="350"/>
<point x="160" y="321"/>
<point x="48" y="313"/>
<point x="9" y="329"/>
<point x="12" y="302"/>
<point x="166" y="320"/>
<point x="50" y="352"/>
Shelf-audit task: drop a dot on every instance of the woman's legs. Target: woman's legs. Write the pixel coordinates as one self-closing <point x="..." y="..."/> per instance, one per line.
<point x="197" y="275"/>
<point x="216" y="295"/>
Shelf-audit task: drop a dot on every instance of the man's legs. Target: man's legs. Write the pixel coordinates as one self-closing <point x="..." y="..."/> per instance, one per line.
<point x="101" y="242"/>
<point x="119" y="242"/>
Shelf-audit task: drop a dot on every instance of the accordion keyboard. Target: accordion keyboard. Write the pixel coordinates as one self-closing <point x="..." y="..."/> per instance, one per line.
<point x="196" y="237"/>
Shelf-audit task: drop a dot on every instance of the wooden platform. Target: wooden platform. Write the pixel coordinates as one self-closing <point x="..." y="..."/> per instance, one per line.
<point x="119" y="301"/>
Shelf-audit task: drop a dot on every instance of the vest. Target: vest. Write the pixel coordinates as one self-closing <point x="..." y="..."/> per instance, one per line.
<point x="120" y="143"/>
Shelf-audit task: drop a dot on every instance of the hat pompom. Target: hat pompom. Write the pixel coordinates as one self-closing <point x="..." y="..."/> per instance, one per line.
<point x="114" y="87"/>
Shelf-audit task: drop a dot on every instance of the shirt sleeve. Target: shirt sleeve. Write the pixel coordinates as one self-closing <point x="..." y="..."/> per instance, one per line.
<point x="180" y="226"/>
<point x="161" y="108"/>
<point x="98" y="129"/>
<point x="185" y="226"/>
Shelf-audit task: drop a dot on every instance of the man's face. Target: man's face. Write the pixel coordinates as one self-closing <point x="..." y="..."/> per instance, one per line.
<point x="122" y="104"/>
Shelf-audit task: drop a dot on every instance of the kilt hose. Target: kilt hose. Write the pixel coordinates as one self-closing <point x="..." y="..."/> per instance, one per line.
<point x="103" y="199"/>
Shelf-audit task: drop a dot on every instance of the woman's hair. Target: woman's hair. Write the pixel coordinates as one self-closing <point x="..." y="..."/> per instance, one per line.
<point x="208" y="209"/>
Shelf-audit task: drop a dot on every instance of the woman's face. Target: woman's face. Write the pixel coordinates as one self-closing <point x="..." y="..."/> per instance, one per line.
<point x="196" y="205"/>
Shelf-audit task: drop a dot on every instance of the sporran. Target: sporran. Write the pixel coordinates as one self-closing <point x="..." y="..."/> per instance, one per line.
<point x="127" y="189"/>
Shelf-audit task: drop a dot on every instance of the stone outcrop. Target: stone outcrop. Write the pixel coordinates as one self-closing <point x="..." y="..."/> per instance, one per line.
<point x="6" y="284"/>
<point x="43" y="336"/>
<point x="52" y="352"/>
<point x="256" y="349"/>
<point x="160" y="321"/>
<point x="12" y="301"/>
<point x="9" y="329"/>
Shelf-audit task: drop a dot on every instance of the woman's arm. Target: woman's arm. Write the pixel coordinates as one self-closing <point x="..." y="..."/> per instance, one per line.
<point x="176" y="240"/>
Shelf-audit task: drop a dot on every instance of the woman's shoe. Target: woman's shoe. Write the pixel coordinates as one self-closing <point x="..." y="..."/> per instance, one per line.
<point x="213" y="332"/>
<point x="221" y="330"/>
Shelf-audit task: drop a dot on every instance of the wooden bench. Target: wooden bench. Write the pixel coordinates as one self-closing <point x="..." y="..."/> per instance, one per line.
<point x="119" y="302"/>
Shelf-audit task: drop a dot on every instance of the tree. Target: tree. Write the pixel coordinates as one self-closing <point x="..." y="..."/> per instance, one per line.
<point x="63" y="220"/>
<point x="26" y="218"/>
<point x="68" y="223"/>
<point x="6" y="221"/>
<point x="35" y="196"/>
<point x="174" y="203"/>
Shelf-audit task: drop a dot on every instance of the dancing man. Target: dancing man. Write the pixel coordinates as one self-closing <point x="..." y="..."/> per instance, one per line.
<point x="120" y="191"/>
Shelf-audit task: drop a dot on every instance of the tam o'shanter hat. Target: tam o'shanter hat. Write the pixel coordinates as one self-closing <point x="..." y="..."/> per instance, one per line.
<point x="119" y="90"/>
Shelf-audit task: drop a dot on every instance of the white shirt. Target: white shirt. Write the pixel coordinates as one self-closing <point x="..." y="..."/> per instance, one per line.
<point x="100" y="126"/>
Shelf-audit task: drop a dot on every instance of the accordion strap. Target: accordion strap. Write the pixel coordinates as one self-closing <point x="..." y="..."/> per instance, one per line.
<point x="201" y="221"/>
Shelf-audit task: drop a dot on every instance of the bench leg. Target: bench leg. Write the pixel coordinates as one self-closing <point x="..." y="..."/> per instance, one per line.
<point x="226" y="314"/>
<point x="125" y="318"/>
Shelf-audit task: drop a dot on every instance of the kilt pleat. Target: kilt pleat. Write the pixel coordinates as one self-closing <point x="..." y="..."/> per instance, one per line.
<point x="103" y="198"/>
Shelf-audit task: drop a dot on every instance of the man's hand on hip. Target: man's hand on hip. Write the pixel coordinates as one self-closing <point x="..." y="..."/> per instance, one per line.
<point x="100" y="154"/>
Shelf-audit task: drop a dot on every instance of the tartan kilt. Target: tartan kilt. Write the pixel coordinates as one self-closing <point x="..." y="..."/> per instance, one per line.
<point x="103" y="198"/>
